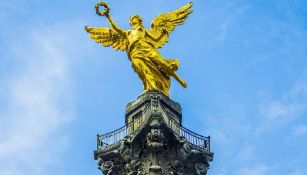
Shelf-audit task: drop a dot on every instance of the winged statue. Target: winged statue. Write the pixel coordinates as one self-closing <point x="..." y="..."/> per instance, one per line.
<point x="141" y="45"/>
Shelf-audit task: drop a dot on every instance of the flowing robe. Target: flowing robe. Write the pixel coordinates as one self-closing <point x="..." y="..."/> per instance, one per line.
<point x="147" y="62"/>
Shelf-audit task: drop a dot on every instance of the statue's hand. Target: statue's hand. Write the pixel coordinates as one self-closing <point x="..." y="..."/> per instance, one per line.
<point x="106" y="10"/>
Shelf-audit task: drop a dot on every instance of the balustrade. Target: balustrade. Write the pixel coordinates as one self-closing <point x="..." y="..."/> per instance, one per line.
<point x="106" y="140"/>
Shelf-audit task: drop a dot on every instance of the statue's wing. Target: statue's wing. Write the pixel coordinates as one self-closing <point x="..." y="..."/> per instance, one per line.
<point x="168" y="22"/>
<point x="108" y="37"/>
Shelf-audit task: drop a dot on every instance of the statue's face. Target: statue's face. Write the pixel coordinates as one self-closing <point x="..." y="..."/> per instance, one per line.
<point x="135" y="22"/>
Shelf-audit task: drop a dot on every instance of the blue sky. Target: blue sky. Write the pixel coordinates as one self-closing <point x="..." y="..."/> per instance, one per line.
<point x="244" y="62"/>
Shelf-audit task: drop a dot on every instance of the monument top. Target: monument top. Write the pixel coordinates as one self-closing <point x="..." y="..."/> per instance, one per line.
<point x="153" y="140"/>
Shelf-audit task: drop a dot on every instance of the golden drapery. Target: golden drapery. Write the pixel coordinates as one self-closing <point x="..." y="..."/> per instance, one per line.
<point x="152" y="69"/>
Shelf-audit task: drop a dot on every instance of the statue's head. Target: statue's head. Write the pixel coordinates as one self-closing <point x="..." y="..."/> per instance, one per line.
<point x="136" y="21"/>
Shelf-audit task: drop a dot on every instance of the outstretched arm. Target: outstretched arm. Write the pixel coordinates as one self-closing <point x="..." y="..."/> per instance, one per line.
<point x="154" y="38"/>
<point x="115" y="26"/>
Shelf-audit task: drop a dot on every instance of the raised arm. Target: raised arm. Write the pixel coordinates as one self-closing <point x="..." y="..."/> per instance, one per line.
<point x="115" y="26"/>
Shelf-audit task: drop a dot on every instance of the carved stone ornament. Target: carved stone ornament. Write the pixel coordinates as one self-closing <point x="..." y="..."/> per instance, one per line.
<point x="153" y="142"/>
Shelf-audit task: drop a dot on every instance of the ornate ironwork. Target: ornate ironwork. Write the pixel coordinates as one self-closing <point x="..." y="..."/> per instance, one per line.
<point x="193" y="138"/>
<point x="197" y="140"/>
<point x="111" y="138"/>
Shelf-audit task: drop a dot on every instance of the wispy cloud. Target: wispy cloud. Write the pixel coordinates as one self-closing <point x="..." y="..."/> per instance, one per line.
<point x="231" y="18"/>
<point x="300" y="130"/>
<point x="37" y="101"/>
<point x="286" y="110"/>
<point x="255" y="170"/>
<point x="238" y="134"/>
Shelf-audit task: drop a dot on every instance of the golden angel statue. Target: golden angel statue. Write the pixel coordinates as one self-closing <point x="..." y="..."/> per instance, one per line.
<point x="141" y="45"/>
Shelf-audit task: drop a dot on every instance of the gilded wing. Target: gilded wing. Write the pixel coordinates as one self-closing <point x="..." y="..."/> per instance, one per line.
<point x="108" y="37"/>
<point x="168" y="22"/>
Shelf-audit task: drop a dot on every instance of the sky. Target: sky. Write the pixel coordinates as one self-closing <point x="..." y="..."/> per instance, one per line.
<point x="244" y="62"/>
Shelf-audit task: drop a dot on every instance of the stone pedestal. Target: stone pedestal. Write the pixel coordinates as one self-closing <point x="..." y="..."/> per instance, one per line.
<point x="153" y="142"/>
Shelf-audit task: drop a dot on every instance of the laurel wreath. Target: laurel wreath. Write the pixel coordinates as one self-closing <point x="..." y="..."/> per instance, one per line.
<point x="105" y="11"/>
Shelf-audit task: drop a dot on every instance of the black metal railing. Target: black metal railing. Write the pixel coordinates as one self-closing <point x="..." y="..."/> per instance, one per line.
<point x="197" y="140"/>
<point x="111" y="138"/>
<point x="193" y="138"/>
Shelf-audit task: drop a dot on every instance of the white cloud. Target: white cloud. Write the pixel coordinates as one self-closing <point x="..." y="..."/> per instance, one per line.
<point x="284" y="111"/>
<point x="228" y="22"/>
<point x="300" y="130"/>
<point x="277" y="110"/>
<point x="37" y="101"/>
<point x="239" y="135"/>
<point x="296" y="173"/>
<point x="255" y="170"/>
